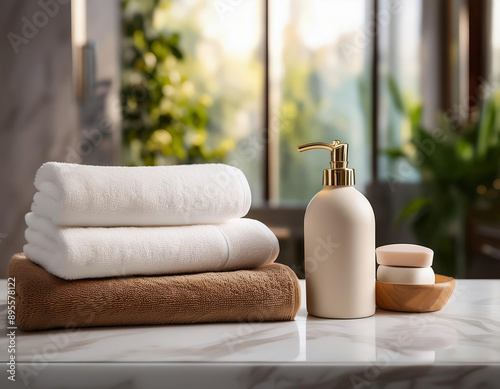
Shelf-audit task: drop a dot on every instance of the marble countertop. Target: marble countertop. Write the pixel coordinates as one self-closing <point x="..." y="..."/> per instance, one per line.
<point x="459" y="345"/>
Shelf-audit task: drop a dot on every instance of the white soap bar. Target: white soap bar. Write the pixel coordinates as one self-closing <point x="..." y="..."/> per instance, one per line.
<point x="406" y="275"/>
<point x="410" y="255"/>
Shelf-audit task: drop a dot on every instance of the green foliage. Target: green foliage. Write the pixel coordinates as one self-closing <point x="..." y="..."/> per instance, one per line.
<point x="459" y="168"/>
<point x="164" y="121"/>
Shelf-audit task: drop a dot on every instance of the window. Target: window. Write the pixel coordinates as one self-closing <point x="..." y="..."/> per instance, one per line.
<point x="495" y="51"/>
<point x="245" y="82"/>
<point x="320" y="91"/>
<point x="183" y="67"/>
<point x="399" y="67"/>
<point x="207" y="81"/>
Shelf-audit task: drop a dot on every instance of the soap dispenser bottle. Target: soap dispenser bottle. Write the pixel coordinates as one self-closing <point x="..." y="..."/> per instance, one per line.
<point x="339" y="238"/>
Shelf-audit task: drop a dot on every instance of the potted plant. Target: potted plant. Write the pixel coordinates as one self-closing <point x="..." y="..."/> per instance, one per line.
<point x="459" y="166"/>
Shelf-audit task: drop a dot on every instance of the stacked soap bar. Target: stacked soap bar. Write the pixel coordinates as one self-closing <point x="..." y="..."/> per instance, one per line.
<point x="405" y="264"/>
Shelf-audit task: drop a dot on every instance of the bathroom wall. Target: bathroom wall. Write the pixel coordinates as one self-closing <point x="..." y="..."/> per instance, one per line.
<point x="38" y="111"/>
<point x="40" y="117"/>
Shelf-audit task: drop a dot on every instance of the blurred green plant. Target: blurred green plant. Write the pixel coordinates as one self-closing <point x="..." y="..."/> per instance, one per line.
<point x="164" y="120"/>
<point x="459" y="168"/>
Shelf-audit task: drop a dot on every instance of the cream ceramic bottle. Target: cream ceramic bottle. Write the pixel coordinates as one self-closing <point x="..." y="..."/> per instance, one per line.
<point x="339" y="237"/>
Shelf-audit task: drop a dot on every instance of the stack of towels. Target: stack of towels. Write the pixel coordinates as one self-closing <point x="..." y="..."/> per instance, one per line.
<point x="147" y="245"/>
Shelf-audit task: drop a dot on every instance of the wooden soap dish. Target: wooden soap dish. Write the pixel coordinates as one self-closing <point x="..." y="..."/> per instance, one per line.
<point x="415" y="298"/>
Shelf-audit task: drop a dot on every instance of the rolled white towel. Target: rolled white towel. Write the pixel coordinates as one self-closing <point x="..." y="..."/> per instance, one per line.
<point x="85" y="252"/>
<point x="82" y="195"/>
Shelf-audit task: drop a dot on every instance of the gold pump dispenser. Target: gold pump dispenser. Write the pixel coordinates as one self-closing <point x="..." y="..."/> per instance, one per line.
<point x="338" y="174"/>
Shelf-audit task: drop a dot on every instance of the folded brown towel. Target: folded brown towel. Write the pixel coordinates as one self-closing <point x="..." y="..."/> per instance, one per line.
<point x="44" y="301"/>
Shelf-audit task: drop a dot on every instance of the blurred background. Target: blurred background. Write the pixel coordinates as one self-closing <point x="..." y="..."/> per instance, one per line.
<point x="412" y="85"/>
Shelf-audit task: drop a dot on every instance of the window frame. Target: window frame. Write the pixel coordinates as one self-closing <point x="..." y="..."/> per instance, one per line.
<point x="268" y="196"/>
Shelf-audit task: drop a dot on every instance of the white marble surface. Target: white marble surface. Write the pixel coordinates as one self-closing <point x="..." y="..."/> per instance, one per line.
<point x="458" y="346"/>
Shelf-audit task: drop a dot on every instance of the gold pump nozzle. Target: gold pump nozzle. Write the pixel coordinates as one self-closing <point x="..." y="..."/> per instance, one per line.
<point x="338" y="174"/>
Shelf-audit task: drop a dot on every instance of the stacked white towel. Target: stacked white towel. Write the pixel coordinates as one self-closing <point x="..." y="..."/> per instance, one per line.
<point x="94" y="221"/>
<point x="82" y="195"/>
